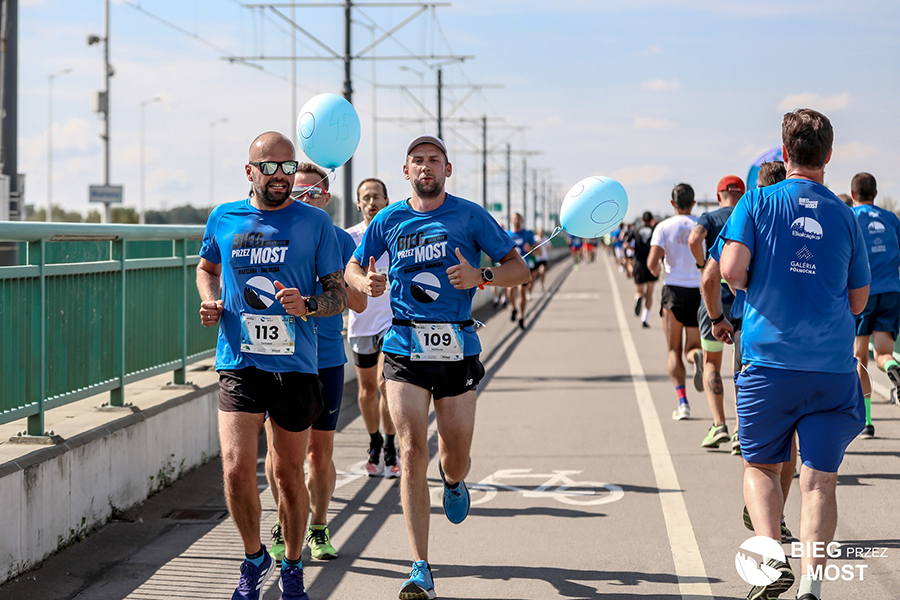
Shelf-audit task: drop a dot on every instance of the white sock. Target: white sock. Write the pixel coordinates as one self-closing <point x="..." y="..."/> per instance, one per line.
<point x="645" y="314"/>
<point x="808" y="585"/>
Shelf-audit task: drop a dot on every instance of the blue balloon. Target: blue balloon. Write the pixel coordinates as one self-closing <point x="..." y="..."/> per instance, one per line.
<point x="593" y="207"/>
<point x="771" y="155"/>
<point x="328" y="130"/>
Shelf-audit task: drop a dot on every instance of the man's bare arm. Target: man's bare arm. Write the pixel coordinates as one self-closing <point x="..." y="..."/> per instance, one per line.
<point x="333" y="299"/>
<point x="695" y="242"/>
<point x="654" y="259"/>
<point x="209" y="285"/>
<point x="735" y="262"/>
<point x="858" y="299"/>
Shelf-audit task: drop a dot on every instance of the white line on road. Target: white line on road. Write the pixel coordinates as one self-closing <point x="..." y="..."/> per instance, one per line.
<point x="689" y="568"/>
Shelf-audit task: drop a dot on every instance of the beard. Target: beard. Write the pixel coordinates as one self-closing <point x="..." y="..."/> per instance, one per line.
<point x="428" y="190"/>
<point x="273" y="199"/>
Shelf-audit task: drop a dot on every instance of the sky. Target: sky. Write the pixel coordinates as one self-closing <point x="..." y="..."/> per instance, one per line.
<point x="650" y="92"/>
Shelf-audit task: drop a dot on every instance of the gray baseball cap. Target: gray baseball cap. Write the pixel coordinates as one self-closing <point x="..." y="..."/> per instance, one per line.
<point x="427" y="139"/>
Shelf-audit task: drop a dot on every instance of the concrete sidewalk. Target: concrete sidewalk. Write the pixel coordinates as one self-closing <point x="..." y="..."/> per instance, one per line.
<point x="582" y="487"/>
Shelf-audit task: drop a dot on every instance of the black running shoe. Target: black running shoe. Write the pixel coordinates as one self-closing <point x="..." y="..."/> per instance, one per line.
<point x="893" y="374"/>
<point x="522" y="324"/>
<point x="777" y="587"/>
<point x="645" y="324"/>
<point x="808" y="596"/>
<point x="513" y="315"/>
<point x="868" y="432"/>
<point x="637" y="306"/>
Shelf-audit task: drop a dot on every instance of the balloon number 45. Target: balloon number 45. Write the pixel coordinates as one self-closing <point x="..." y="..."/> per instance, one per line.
<point x="593" y="207"/>
<point x="331" y="145"/>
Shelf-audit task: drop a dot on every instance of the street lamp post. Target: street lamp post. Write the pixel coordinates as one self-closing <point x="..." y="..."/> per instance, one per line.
<point x="212" y="174"/>
<point x="50" y="79"/>
<point x="142" y="206"/>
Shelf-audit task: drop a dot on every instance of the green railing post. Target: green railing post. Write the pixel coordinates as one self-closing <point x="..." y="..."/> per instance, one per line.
<point x="180" y="375"/>
<point x="36" y="422"/>
<point x="117" y="394"/>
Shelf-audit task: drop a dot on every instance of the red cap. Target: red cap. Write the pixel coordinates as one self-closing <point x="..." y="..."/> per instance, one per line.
<point x="731" y="183"/>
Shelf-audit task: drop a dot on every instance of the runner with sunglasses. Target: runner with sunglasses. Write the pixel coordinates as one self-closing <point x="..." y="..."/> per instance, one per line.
<point x="265" y="253"/>
<point x="431" y="350"/>
<point x="311" y="187"/>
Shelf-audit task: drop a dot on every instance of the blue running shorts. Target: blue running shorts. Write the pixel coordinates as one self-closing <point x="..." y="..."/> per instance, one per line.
<point x="332" y="382"/>
<point x="826" y="409"/>
<point x="882" y="313"/>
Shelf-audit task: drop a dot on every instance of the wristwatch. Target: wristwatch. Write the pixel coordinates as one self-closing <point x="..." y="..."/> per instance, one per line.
<point x="718" y="319"/>
<point x="487" y="275"/>
<point x="699" y="266"/>
<point x="311" y="306"/>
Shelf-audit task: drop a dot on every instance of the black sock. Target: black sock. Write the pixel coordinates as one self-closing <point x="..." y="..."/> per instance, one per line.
<point x="257" y="559"/>
<point x="290" y="563"/>
<point x="389" y="441"/>
<point x="376" y="441"/>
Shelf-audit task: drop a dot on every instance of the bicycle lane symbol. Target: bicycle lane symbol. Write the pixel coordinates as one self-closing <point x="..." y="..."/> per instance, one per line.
<point x="557" y="485"/>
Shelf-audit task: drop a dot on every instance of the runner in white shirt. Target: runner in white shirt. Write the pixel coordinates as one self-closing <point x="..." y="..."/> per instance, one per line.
<point x="365" y="333"/>
<point x="680" y="294"/>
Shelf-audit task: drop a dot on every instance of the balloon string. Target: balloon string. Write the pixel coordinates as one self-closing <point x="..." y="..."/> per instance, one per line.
<point x="552" y="235"/>
<point x="871" y="380"/>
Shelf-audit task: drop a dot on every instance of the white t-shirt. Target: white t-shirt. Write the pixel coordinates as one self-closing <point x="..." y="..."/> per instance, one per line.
<point x="377" y="316"/>
<point x="672" y="236"/>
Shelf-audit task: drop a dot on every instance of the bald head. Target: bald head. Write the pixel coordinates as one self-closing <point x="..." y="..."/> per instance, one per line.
<point x="268" y="143"/>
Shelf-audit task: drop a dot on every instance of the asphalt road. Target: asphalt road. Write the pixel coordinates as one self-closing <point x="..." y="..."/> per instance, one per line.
<point x="582" y="487"/>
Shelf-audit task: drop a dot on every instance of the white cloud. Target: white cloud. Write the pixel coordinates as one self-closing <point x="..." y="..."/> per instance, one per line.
<point x="853" y="151"/>
<point x="651" y="51"/>
<point x="815" y="101"/>
<point x="658" y="85"/>
<point x="650" y="123"/>
<point x="643" y="175"/>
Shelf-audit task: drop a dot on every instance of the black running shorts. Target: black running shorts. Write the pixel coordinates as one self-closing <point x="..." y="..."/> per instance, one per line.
<point x="442" y="379"/>
<point x="683" y="302"/>
<point x="293" y="400"/>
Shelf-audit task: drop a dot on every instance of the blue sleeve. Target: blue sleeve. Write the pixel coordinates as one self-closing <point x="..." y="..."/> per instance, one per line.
<point x="372" y="243"/>
<point x="530" y="239"/>
<point x="860" y="275"/>
<point x="348" y="246"/>
<point x="490" y="237"/>
<point x="328" y="255"/>
<point x="209" y="248"/>
<point x="741" y="227"/>
<point x="704" y="221"/>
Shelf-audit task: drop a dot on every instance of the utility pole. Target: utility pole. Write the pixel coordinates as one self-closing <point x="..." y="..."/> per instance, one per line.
<point x="525" y="190"/>
<point x="9" y="61"/>
<point x="440" y="107"/>
<point x="102" y="102"/>
<point x="346" y="57"/>
<point x="508" y="185"/>
<point x="484" y="152"/>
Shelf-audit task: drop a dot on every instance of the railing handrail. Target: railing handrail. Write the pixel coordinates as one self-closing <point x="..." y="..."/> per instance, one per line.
<point x="18" y="231"/>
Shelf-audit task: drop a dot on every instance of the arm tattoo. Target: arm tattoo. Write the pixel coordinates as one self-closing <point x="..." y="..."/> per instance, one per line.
<point x="333" y="298"/>
<point x="699" y="229"/>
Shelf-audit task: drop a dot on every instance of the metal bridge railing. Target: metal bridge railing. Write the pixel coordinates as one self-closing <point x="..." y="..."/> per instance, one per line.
<point x="93" y="308"/>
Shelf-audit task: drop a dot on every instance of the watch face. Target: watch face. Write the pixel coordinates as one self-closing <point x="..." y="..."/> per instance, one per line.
<point x="488" y="275"/>
<point x="311" y="305"/>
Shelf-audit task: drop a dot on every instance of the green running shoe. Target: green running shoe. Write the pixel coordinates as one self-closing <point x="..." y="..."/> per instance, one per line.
<point x="277" y="543"/>
<point x="319" y="543"/>
<point x="786" y="536"/>
<point x="777" y="587"/>
<point x="735" y="444"/>
<point x="715" y="436"/>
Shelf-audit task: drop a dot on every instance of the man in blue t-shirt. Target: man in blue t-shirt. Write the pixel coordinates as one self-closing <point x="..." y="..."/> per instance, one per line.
<point x="265" y="254"/>
<point x="800" y="254"/>
<point x="703" y="237"/>
<point x="431" y="350"/>
<point x="881" y="317"/>
<point x="524" y="240"/>
<point x="311" y="187"/>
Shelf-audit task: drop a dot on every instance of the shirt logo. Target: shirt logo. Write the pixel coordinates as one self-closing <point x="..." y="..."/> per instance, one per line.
<point x="807" y="227"/>
<point x="807" y="203"/>
<point x="425" y="288"/>
<point x="877" y="246"/>
<point x="803" y="265"/>
<point x="259" y="293"/>
<point x="875" y="227"/>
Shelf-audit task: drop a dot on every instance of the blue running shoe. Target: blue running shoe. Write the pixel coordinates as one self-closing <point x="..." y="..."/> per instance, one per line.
<point x="253" y="578"/>
<point x="456" y="500"/>
<point x="420" y="585"/>
<point x="291" y="583"/>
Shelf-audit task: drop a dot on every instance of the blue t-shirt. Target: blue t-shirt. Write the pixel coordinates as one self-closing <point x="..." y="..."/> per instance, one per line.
<point x="421" y="247"/>
<point x="293" y="245"/>
<point x="330" y="330"/>
<point x="807" y="251"/>
<point x="616" y="234"/>
<point x="575" y="242"/>
<point x="521" y="238"/>
<point x="881" y="230"/>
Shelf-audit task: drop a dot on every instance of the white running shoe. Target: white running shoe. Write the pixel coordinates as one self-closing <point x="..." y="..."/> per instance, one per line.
<point x="682" y="412"/>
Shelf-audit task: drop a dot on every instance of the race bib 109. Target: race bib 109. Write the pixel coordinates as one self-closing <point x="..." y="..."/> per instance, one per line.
<point x="436" y="341"/>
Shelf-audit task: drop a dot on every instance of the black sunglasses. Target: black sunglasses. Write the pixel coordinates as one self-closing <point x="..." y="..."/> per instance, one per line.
<point x="268" y="167"/>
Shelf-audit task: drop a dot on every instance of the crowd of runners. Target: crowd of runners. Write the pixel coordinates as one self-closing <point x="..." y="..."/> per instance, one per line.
<point x="769" y="269"/>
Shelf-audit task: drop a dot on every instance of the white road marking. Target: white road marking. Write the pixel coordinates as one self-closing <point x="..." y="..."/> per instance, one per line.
<point x="693" y="581"/>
